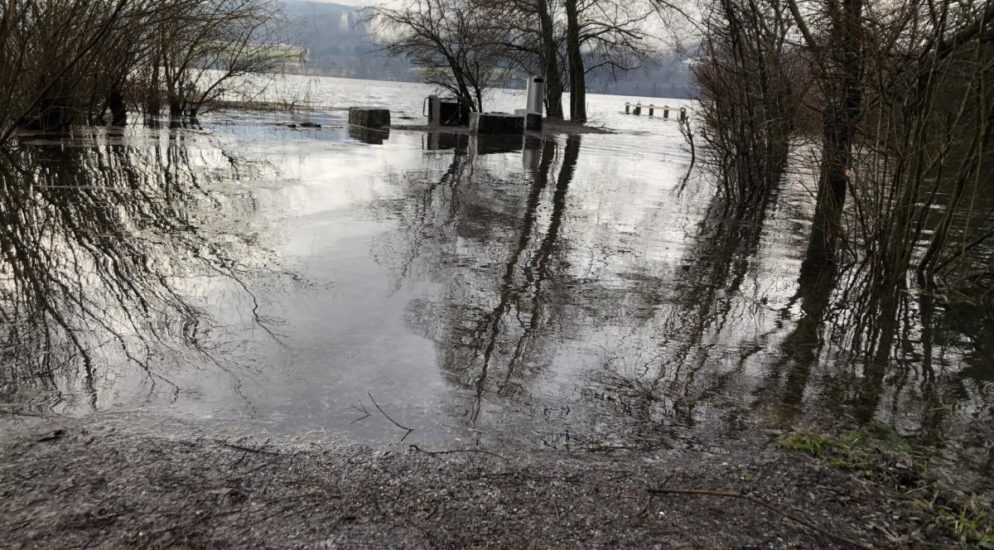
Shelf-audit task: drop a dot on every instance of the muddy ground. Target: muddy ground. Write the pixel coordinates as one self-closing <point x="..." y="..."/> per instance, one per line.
<point x="99" y="484"/>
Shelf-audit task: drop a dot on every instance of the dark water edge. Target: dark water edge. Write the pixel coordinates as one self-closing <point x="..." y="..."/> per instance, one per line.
<point x="579" y="293"/>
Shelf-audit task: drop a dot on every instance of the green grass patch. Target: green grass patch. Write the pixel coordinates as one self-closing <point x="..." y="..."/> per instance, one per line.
<point x="870" y="451"/>
<point x="884" y="457"/>
<point x="970" y="519"/>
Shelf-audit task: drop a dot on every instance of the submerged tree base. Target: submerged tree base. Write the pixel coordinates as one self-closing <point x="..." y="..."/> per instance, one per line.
<point x="107" y="485"/>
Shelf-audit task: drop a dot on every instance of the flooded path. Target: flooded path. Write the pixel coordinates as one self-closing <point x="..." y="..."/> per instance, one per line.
<point x="582" y="293"/>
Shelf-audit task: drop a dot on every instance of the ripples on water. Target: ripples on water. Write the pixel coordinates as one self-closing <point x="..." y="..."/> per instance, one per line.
<point x="569" y="293"/>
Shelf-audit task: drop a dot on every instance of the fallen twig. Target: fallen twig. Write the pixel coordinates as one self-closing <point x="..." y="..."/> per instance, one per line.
<point x="764" y="504"/>
<point x="51" y="436"/>
<point x="395" y="423"/>
<point x="361" y="408"/>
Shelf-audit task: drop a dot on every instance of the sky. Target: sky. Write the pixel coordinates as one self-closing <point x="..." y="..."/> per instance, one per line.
<point x="654" y="26"/>
<point x="346" y="2"/>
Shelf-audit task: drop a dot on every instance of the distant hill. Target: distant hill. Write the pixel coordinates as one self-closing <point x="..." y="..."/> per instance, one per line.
<point x="668" y="75"/>
<point x="339" y="44"/>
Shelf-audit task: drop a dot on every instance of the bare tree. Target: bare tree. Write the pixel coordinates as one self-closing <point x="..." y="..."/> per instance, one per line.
<point x="114" y="53"/>
<point x="903" y="95"/>
<point x="920" y="165"/>
<point x="751" y="84"/>
<point x="467" y="46"/>
<point x="43" y="61"/>
<point x="535" y="43"/>
<point x="209" y="46"/>
<point x="453" y="42"/>
<point x="603" y="35"/>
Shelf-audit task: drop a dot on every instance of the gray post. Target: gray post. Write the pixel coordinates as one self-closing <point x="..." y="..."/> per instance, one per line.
<point x="434" y="110"/>
<point x="666" y="111"/>
<point x="652" y="109"/>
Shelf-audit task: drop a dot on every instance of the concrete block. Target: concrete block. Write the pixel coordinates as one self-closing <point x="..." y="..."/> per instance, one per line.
<point x="496" y="123"/>
<point x="370" y="117"/>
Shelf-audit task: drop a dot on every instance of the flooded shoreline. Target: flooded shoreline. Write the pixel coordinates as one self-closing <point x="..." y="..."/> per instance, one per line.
<point x="583" y="293"/>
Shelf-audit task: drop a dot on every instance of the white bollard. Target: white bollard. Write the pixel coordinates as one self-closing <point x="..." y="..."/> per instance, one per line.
<point x="535" y="92"/>
<point x="535" y="103"/>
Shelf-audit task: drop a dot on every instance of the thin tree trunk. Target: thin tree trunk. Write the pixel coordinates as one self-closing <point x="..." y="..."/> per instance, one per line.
<point x="577" y="72"/>
<point x="550" y="55"/>
<point x="154" y="101"/>
<point x="117" y="106"/>
<point x="844" y="83"/>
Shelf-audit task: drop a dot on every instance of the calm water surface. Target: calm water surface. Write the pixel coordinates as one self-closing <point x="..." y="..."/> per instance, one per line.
<point x="579" y="293"/>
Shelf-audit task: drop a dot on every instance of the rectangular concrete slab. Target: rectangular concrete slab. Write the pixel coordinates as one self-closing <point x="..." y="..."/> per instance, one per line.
<point x="370" y="117"/>
<point x="496" y="123"/>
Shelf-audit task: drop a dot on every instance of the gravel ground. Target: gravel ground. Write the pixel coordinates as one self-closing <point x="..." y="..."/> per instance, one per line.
<point x="96" y="484"/>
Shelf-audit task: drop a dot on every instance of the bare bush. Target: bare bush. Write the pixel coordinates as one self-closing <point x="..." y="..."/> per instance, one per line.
<point x="454" y="42"/>
<point x="70" y="61"/>
<point x="751" y="83"/>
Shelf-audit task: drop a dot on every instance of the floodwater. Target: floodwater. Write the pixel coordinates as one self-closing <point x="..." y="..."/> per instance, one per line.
<point x="582" y="293"/>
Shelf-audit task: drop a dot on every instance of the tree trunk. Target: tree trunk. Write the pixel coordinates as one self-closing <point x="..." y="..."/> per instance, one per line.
<point x="475" y="105"/>
<point x="118" y="109"/>
<point x="832" y="185"/>
<point x="577" y="72"/>
<point x="154" y="104"/>
<point x="844" y="95"/>
<point x="550" y="58"/>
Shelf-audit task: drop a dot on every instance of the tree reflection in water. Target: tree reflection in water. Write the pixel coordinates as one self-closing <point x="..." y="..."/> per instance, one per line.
<point x="102" y="238"/>
<point x="571" y="302"/>
<point x="732" y="334"/>
<point x="503" y="234"/>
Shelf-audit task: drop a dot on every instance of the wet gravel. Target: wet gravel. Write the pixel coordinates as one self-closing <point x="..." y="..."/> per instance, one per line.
<point x="98" y="484"/>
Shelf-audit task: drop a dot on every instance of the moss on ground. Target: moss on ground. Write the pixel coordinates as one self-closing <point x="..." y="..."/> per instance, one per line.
<point x="882" y="456"/>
